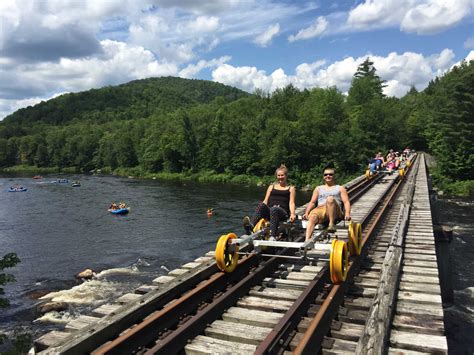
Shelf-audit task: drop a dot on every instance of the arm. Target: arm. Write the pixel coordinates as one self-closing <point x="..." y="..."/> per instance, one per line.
<point x="347" y="203"/>
<point x="267" y="195"/>
<point x="292" y="204"/>
<point x="311" y="203"/>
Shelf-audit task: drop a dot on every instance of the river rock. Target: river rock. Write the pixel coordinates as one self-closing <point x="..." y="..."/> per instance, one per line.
<point x="52" y="306"/>
<point x="36" y="294"/>
<point x="86" y="274"/>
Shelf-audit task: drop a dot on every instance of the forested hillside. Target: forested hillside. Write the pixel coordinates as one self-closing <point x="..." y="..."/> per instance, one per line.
<point x="136" y="99"/>
<point x="171" y="125"/>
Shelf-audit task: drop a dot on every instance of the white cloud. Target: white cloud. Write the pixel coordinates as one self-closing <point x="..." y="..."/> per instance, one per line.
<point x="376" y="13"/>
<point x="265" y="38"/>
<point x="203" y="24"/>
<point x="469" y="43"/>
<point x="470" y="56"/>
<point x="413" y="16"/>
<point x="246" y="78"/>
<point x="435" y="16"/>
<point x="53" y="46"/>
<point x="400" y="71"/>
<point x="316" y="29"/>
<point x="118" y="64"/>
<point x="192" y="69"/>
<point x="9" y="106"/>
<point x="442" y="60"/>
<point x="151" y="32"/>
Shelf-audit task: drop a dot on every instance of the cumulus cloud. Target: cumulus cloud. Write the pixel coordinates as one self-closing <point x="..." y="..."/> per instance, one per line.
<point x="54" y="46"/>
<point x="400" y="71"/>
<point x="203" y="24"/>
<point x="118" y="63"/>
<point x="421" y="16"/>
<point x="26" y="36"/>
<point x="470" y="56"/>
<point x="265" y="38"/>
<point x="442" y="60"/>
<point x="316" y="29"/>
<point x="469" y="43"/>
<point x="193" y="69"/>
<point x="435" y="16"/>
<point x="376" y="13"/>
<point x="246" y="78"/>
<point x="8" y="106"/>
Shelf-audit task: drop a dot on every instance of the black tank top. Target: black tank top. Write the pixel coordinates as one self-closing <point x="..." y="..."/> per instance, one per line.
<point x="280" y="198"/>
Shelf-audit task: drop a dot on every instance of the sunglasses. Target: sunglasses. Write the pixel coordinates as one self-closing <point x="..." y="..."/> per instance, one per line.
<point x="328" y="174"/>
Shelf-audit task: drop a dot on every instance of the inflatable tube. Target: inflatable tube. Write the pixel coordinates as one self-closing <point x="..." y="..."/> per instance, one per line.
<point x="17" y="189"/>
<point x="120" y="210"/>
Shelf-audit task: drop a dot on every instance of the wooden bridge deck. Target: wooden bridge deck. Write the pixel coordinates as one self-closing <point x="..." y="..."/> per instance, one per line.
<point x="418" y="323"/>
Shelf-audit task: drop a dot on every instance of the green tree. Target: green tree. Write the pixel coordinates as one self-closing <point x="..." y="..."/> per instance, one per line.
<point x="366" y="84"/>
<point x="7" y="261"/>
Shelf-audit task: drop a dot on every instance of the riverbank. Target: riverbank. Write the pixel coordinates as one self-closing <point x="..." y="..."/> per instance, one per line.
<point x="303" y="181"/>
<point x="445" y="186"/>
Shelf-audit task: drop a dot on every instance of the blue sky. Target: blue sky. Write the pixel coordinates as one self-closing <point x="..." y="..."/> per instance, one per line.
<point x="51" y="47"/>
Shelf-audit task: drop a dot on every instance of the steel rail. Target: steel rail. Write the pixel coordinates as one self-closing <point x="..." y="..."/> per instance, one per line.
<point x="194" y="327"/>
<point x="321" y="323"/>
<point x="164" y="319"/>
<point x="93" y="336"/>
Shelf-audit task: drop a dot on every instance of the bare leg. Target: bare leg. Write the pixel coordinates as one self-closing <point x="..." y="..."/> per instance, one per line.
<point x="312" y="221"/>
<point x="331" y="210"/>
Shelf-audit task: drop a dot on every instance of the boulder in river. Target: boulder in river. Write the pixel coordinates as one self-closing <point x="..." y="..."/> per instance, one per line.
<point x="52" y="306"/>
<point x="86" y="274"/>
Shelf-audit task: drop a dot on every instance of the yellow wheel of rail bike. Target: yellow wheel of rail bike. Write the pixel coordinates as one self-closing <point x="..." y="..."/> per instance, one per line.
<point x="227" y="254"/>
<point x="355" y="238"/>
<point x="338" y="261"/>
<point x="401" y="172"/>
<point x="263" y="223"/>
<point x="367" y="174"/>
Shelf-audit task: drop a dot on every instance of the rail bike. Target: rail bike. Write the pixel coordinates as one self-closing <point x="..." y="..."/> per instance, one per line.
<point x="401" y="170"/>
<point x="321" y="244"/>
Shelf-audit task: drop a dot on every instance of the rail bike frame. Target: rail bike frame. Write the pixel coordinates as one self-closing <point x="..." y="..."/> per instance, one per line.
<point x="258" y="242"/>
<point x="227" y="248"/>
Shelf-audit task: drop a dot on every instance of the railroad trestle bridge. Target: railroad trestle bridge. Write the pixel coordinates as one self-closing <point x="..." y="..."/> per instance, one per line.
<point x="390" y="302"/>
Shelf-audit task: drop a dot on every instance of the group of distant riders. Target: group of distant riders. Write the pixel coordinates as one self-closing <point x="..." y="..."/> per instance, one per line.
<point x="329" y="203"/>
<point x="391" y="162"/>
<point x="115" y="206"/>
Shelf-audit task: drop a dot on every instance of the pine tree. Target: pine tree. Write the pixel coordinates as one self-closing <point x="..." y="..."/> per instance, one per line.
<point x="366" y="84"/>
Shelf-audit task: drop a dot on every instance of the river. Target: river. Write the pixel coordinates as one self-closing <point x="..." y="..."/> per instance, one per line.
<point x="58" y="230"/>
<point x="458" y="214"/>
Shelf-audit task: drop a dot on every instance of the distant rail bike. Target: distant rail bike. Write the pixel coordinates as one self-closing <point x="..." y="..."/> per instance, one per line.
<point x="321" y="244"/>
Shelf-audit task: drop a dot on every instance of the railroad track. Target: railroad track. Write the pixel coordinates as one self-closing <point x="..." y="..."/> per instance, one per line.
<point x="267" y="305"/>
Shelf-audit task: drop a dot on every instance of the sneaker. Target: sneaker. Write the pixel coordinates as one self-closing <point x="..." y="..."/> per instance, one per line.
<point x="272" y="239"/>
<point x="331" y="228"/>
<point x="247" y="225"/>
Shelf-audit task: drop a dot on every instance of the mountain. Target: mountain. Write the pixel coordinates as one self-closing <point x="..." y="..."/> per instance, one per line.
<point x="138" y="98"/>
